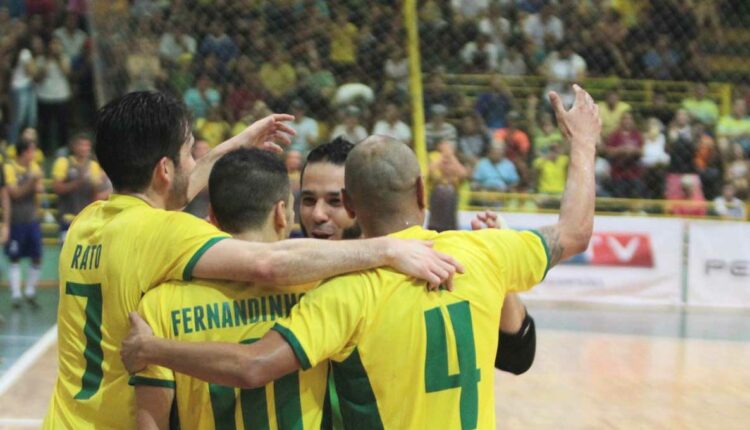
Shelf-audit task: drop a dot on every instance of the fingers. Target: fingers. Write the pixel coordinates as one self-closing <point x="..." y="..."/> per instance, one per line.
<point x="557" y="105"/>
<point x="580" y="95"/>
<point x="272" y="147"/>
<point x="282" y="117"/>
<point x="476" y="224"/>
<point x="281" y="127"/>
<point x="455" y="265"/>
<point x="135" y="319"/>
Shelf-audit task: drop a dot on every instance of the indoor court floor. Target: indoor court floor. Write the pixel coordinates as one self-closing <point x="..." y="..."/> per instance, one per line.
<point x="596" y="368"/>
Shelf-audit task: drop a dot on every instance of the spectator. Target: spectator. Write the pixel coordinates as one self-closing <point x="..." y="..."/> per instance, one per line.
<point x="144" y="67"/>
<point x="562" y="68"/>
<point x="181" y="77"/>
<point x="708" y="162"/>
<point x="306" y="128"/>
<point x="392" y="126"/>
<point x="700" y="106"/>
<point x="278" y="78"/>
<point x="446" y="176"/>
<point x="544" y="25"/>
<point x="601" y="54"/>
<point x="469" y="10"/>
<point x="54" y="95"/>
<point x="353" y="92"/>
<point x="350" y="129"/>
<point x="72" y="38"/>
<point x="199" y="205"/>
<point x="734" y="128"/>
<point x="545" y="133"/>
<point x="319" y="86"/>
<point x="75" y="179"/>
<point x="397" y="68"/>
<point x="494" y="25"/>
<point x="728" y="205"/>
<point x="473" y="140"/>
<point x="219" y="44"/>
<point x="243" y="95"/>
<point x="611" y="110"/>
<point x="495" y="172"/>
<point x="738" y="171"/>
<point x="517" y="142"/>
<point x="175" y="43"/>
<point x="213" y="128"/>
<point x="694" y="202"/>
<point x="551" y="170"/>
<point x="202" y="97"/>
<point x="661" y="61"/>
<point x="24" y="180"/>
<point x="624" y="148"/>
<point x="494" y="105"/>
<point x="513" y="64"/>
<point x="22" y="90"/>
<point x="659" y="109"/>
<point x="438" y="129"/>
<point x="655" y="158"/>
<point x="343" y="35"/>
<point x="482" y="52"/>
<point x="437" y="93"/>
<point x="681" y="149"/>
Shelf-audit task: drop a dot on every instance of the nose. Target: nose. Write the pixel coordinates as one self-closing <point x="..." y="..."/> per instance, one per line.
<point x="320" y="214"/>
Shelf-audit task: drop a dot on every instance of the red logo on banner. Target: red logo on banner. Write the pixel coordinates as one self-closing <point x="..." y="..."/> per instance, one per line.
<point x="617" y="249"/>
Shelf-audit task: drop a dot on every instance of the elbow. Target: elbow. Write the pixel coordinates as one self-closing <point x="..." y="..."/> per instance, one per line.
<point x="269" y="269"/>
<point x="579" y="240"/>
<point x="251" y="374"/>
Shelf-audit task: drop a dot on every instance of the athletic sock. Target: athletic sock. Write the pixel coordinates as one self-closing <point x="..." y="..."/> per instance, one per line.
<point x="32" y="280"/>
<point x="14" y="276"/>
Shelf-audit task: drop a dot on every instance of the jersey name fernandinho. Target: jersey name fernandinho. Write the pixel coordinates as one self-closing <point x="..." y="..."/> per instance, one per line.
<point x="225" y="312"/>
<point x="115" y="251"/>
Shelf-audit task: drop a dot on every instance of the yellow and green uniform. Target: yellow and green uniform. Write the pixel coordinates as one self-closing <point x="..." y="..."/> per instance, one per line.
<point x="115" y="251"/>
<point x="406" y="358"/>
<point x="223" y="312"/>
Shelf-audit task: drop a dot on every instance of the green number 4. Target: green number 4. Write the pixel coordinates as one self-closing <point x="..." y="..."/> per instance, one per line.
<point x="436" y="373"/>
<point x="253" y="404"/>
<point x="92" y="377"/>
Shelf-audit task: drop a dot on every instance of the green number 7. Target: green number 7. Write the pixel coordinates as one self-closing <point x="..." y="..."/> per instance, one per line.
<point x="253" y="404"/>
<point x="436" y="373"/>
<point x="92" y="377"/>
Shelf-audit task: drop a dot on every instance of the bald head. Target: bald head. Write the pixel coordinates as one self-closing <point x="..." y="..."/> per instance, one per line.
<point x="382" y="177"/>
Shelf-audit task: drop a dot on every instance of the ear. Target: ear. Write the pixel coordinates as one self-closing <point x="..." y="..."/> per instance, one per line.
<point x="280" y="216"/>
<point x="348" y="204"/>
<point x="212" y="217"/>
<point x="420" y="193"/>
<point x="160" y="177"/>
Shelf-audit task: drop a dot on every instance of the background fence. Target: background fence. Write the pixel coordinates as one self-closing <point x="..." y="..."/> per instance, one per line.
<point x="671" y="77"/>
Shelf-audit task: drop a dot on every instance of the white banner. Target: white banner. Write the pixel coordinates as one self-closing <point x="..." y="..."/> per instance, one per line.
<point x="630" y="260"/>
<point x="719" y="264"/>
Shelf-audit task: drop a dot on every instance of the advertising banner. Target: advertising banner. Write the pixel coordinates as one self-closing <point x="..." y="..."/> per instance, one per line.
<point x="719" y="264"/>
<point x="629" y="260"/>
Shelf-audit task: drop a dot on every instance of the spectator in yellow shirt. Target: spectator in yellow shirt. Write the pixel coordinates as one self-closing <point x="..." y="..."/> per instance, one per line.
<point x="343" y="42"/>
<point x="551" y="170"/>
<point x="278" y="78"/>
<point x="213" y="129"/>
<point x="611" y="111"/>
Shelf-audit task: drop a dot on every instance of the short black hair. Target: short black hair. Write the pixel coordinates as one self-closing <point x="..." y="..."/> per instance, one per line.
<point x="334" y="152"/>
<point x="244" y="185"/>
<point x="135" y="131"/>
<point x="22" y="145"/>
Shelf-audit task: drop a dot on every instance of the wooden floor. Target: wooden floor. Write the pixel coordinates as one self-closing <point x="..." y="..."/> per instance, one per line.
<point x="580" y="380"/>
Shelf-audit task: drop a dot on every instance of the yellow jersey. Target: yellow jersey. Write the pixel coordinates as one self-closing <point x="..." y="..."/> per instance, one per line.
<point x="115" y="251"/>
<point x="224" y="312"/>
<point x="405" y="358"/>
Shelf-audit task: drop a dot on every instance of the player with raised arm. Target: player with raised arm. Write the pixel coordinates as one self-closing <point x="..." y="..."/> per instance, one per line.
<point x="118" y="249"/>
<point x="390" y="343"/>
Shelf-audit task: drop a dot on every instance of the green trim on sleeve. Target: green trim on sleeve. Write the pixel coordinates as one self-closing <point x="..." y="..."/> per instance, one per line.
<point x="294" y="343"/>
<point x="151" y="382"/>
<point x="546" y="251"/>
<point x="187" y="274"/>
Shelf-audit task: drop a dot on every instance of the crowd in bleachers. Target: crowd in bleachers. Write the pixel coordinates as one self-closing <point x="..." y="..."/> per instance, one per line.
<point x="340" y="66"/>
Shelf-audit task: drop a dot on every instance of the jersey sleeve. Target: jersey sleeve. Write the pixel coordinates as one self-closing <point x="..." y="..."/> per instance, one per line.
<point x="520" y="258"/>
<point x="327" y="321"/>
<point x="10" y="175"/>
<point x="176" y="241"/>
<point x="150" y="309"/>
<point x="96" y="172"/>
<point x="60" y="169"/>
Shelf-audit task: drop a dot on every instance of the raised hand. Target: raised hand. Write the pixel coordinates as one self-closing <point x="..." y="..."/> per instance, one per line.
<point x="487" y="219"/>
<point x="417" y="259"/>
<point x="267" y="133"/>
<point x="581" y="125"/>
<point x="131" y="352"/>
